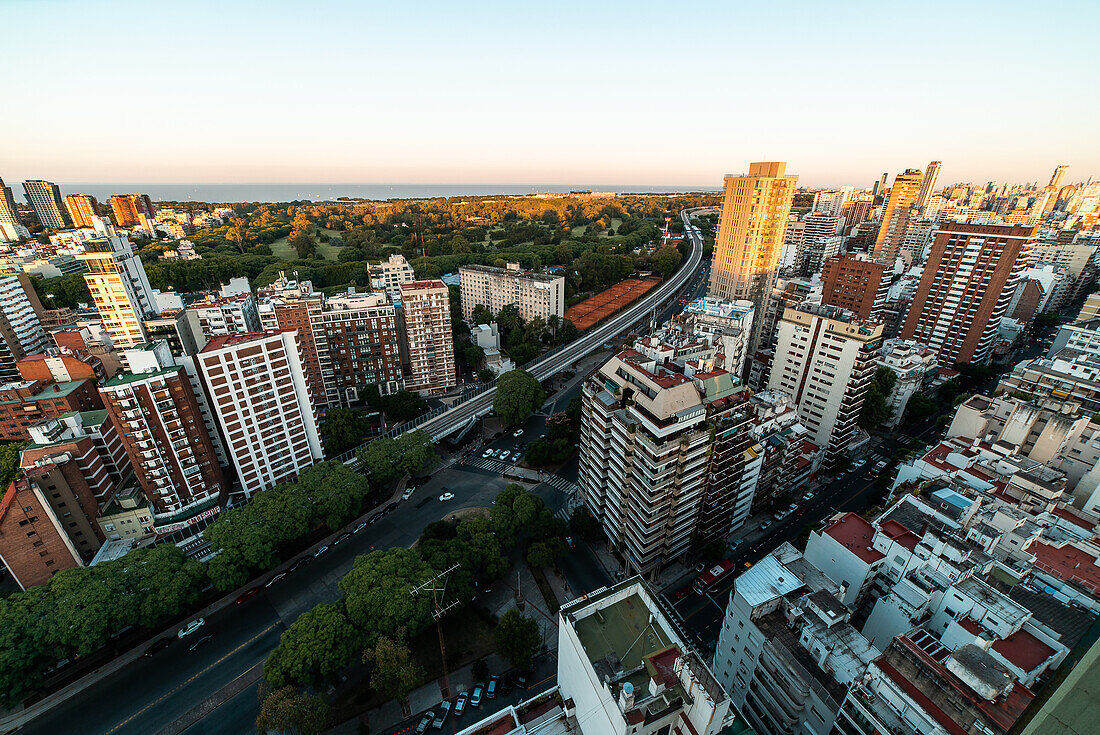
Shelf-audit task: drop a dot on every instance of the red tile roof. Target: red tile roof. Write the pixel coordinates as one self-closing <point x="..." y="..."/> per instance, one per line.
<point x="855" y="534"/>
<point x="1023" y="650"/>
<point x="1068" y="563"/>
<point x="1073" y="518"/>
<point x="899" y="534"/>
<point x="970" y="625"/>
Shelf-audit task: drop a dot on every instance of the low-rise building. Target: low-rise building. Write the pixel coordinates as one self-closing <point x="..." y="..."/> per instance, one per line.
<point x="27" y="402"/>
<point x="914" y="366"/>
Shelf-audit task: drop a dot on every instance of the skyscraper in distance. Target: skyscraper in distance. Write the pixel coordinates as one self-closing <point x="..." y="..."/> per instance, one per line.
<point x="755" y="208"/>
<point x="82" y="208"/>
<point x="45" y="197"/>
<point x="928" y="184"/>
<point x="10" y="227"/>
<point x="880" y="185"/>
<point x="128" y="208"/>
<point x="895" y="216"/>
<point x="1058" y="175"/>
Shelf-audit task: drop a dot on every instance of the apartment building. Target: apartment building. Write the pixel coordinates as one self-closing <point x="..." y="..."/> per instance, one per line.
<point x="914" y="366"/>
<point x="856" y="283"/>
<point x="390" y="274"/>
<point x="363" y="339"/>
<point x="751" y="230"/>
<point x="820" y="240"/>
<point x="120" y="289"/>
<point x="426" y="314"/>
<point x="11" y="227"/>
<point x="91" y="466"/>
<point x="45" y="198"/>
<point x="967" y="285"/>
<point x="928" y="184"/>
<point x="1068" y="375"/>
<point x="725" y="325"/>
<point x="788" y="460"/>
<point x="536" y="295"/>
<point x="296" y="307"/>
<point x="257" y="388"/>
<point x="164" y="436"/>
<point x="646" y="448"/>
<point x="226" y="315"/>
<point x="21" y="331"/>
<point x="787" y="651"/>
<point x="825" y="359"/>
<point x="895" y="215"/>
<point x="128" y="209"/>
<point x="82" y="208"/>
<point x="25" y="403"/>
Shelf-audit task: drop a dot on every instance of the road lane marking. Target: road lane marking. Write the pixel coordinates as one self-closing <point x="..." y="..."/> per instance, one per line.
<point x="164" y="696"/>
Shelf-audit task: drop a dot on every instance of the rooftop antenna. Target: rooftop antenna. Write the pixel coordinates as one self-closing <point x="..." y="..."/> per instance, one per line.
<point x="439" y="591"/>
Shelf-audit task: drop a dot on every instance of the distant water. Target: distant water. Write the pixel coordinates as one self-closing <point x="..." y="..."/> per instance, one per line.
<point x="324" y="192"/>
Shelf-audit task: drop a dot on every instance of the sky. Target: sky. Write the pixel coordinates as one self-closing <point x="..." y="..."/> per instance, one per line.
<point x="516" y="92"/>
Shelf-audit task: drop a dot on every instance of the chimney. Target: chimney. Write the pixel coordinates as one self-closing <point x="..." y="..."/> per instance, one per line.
<point x="626" y="696"/>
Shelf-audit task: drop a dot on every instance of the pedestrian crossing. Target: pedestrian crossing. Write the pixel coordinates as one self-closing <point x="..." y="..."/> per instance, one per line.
<point x="484" y="463"/>
<point x="560" y="483"/>
<point x="571" y="492"/>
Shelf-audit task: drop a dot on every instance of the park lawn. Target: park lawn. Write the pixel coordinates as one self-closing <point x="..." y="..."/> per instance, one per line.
<point x="281" y="248"/>
<point x="581" y="229"/>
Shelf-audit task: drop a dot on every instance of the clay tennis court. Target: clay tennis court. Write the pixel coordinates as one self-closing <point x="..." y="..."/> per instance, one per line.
<point x="595" y="309"/>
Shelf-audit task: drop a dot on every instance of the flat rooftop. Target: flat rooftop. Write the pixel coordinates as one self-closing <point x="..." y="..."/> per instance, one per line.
<point x="622" y="632"/>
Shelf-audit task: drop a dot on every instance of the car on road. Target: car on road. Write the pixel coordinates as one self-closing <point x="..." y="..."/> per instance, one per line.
<point x="808" y="496"/>
<point x="502" y="454"/>
<point x="300" y="563"/>
<point x="191" y="627"/>
<point x="341" y="538"/>
<point x="441" y="714"/>
<point x="764" y="526"/>
<point x="360" y="527"/>
<point x="736" y="544"/>
<point x="248" y="595"/>
<point x="158" y="647"/>
<point x="517" y="433"/>
<point x="425" y="721"/>
<point x="487" y="453"/>
<point x="523" y="679"/>
<point x="408" y="493"/>
<point x="200" y="642"/>
<point x="275" y="579"/>
<point x="780" y="515"/>
<point x="460" y="704"/>
<point x="879" y="466"/>
<point x="494" y="685"/>
<point x="446" y="496"/>
<point x="320" y="550"/>
<point x="792" y="508"/>
<point x="859" y="464"/>
<point x="475" y="695"/>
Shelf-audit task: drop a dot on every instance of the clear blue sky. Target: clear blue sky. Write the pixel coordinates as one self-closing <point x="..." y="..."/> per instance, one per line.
<point x="556" y="92"/>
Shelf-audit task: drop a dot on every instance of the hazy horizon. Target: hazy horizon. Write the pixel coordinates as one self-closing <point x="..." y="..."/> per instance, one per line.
<point x="500" y="93"/>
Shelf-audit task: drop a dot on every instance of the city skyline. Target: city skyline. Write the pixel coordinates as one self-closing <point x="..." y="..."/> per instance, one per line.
<point x="504" y="95"/>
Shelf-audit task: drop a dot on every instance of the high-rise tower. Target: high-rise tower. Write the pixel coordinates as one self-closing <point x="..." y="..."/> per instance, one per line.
<point x="928" y="184"/>
<point x="45" y="197"/>
<point x="1057" y="177"/>
<point x="82" y="209"/>
<point x="750" y="236"/>
<point x="895" y="216"/>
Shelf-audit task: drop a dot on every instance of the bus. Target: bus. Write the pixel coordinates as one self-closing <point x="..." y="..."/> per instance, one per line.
<point x="707" y="579"/>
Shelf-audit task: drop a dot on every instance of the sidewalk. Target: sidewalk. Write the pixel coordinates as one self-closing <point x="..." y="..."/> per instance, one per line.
<point x="18" y="718"/>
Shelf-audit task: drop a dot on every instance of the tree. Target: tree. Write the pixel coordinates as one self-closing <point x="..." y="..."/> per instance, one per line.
<point x="9" y="463"/>
<point x="238" y="233"/>
<point x="395" y="672"/>
<point x="314" y="648"/>
<point x="666" y="260"/>
<point x="343" y="428"/>
<point x="403" y="405"/>
<point x="481" y="315"/>
<point x="875" y="409"/>
<point x="417" y="451"/>
<point x="303" y="243"/>
<point x="334" y="491"/>
<point x="378" y="593"/>
<point x="518" y="396"/>
<point x="543" y="553"/>
<point x="290" y="710"/>
<point x="582" y="524"/>
<point x="919" y="408"/>
<point x="518" y="638"/>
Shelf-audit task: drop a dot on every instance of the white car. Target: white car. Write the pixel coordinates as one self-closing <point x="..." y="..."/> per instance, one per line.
<point x="191" y="627"/>
<point x="517" y="433"/>
<point x="487" y="453"/>
<point x="446" y="496"/>
<point x="408" y="493"/>
<point x="502" y="454"/>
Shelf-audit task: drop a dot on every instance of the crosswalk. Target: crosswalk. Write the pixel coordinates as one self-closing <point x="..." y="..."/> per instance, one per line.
<point x="560" y="483"/>
<point x="484" y="463"/>
<point x="571" y="492"/>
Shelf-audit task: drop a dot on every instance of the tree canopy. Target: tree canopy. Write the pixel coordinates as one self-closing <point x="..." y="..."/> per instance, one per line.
<point x="518" y="638"/>
<point x="518" y="395"/>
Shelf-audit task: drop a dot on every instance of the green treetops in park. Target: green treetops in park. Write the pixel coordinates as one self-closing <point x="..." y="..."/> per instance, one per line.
<point x="518" y="638"/>
<point x="518" y="396"/>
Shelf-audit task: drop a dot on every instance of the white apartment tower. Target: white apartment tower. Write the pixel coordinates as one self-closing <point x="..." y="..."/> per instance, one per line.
<point x="537" y="295"/>
<point x="21" y="331"/>
<point x="426" y="307"/>
<point x="119" y="287"/>
<point x="825" y="359"/>
<point x="45" y="197"/>
<point x="257" y="390"/>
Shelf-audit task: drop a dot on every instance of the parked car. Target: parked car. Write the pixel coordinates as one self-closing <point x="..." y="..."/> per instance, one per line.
<point x="494" y="685"/>
<point x="488" y="453"/>
<point x="408" y="493"/>
<point x="880" y="465"/>
<point x="446" y="496"/>
<point x="765" y="525"/>
<point x="341" y="538"/>
<point x="158" y="646"/>
<point x="517" y="433"/>
<point x="425" y="721"/>
<point x="736" y="544"/>
<point x="792" y="508"/>
<point x="248" y="595"/>
<point x="522" y="679"/>
<point x="191" y="627"/>
<point x="200" y="642"/>
<point x="360" y="527"/>
<point x="460" y="704"/>
<point x="441" y="714"/>
<point x="475" y="695"/>
<point x="320" y="550"/>
<point x="275" y="579"/>
<point x="808" y="496"/>
<point x="780" y="515"/>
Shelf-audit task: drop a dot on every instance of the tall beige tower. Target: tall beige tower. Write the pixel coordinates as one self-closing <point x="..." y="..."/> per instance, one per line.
<point x="750" y="236"/>
<point x="928" y="183"/>
<point x="1058" y="176"/>
<point x="895" y="217"/>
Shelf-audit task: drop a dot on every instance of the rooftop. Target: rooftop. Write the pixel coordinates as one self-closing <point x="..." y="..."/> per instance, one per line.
<point x="126" y="378"/>
<point x="1023" y="650"/>
<point x="855" y="534"/>
<point x="765" y="581"/>
<point x="221" y="341"/>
